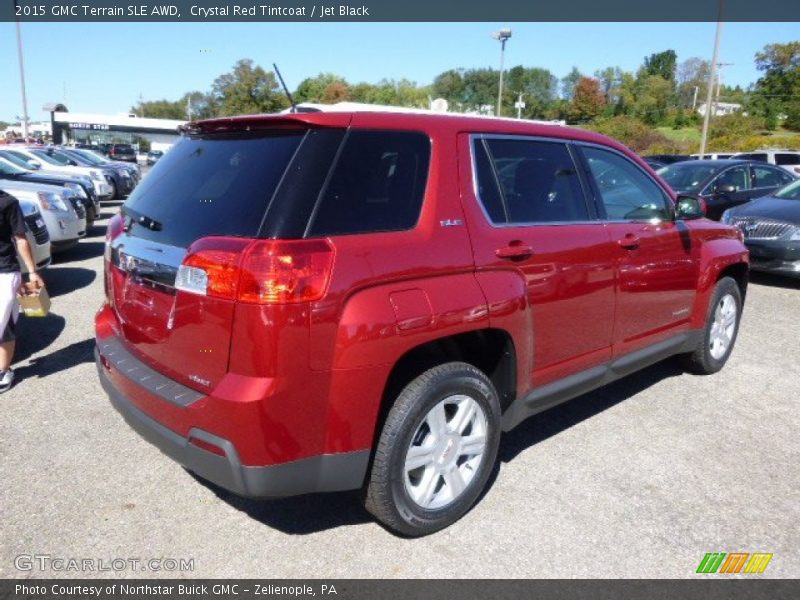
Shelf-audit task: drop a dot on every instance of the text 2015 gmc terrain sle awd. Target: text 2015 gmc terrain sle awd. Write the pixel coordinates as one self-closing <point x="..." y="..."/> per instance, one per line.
<point x="340" y="300"/>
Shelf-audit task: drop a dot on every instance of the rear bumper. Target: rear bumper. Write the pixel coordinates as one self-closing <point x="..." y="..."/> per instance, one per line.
<point x="321" y="473"/>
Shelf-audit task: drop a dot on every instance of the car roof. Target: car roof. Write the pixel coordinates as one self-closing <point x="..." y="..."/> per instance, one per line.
<point x="398" y="118"/>
<point x="717" y="162"/>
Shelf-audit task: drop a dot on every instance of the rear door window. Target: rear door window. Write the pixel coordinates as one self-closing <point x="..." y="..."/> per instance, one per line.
<point x="211" y="185"/>
<point x="759" y="156"/>
<point x="765" y="177"/>
<point x="538" y="182"/>
<point x="377" y="184"/>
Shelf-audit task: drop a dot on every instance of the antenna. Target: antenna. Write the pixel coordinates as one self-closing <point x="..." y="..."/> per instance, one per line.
<point x="285" y="89"/>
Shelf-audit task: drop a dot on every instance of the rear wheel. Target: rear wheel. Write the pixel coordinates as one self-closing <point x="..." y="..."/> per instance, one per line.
<point x="436" y="451"/>
<point x="722" y="327"/>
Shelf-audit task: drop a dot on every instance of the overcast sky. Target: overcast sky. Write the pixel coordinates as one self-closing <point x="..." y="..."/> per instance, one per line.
<point x="105" y="67"/>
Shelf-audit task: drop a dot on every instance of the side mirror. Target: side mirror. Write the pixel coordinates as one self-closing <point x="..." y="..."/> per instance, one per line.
<point x="34" y="164"/>
<point x="689" y="208"/>
<point x="725" y="189"/>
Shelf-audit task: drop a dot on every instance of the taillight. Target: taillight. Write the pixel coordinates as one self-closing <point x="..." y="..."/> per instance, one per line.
<point x="211" y="267"/>
<point x="115" y="228"/>
<point x="257" y="271"/>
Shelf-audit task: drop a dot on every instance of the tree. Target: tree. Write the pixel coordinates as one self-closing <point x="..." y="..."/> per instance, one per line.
<point x="588" y="99"/>
<point x="569" y="82"/>
<point x="539" y="88"/>
<point x="610" y="80"/>
<point x="693" y="73"/>
<point x="200" y="105"/>
<point x="247" y="89"/>
<point x="313" y="89"/>
<point x="160" y="109"/>
<point x="661" y="64"/>
<point x="780" y="85"/>
<point x="449" y="85"/>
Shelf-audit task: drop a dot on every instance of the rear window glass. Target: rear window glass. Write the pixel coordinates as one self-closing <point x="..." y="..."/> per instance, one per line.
<point x="753" y="156"/>
<point x="214" y="185"/>
<point x="123" y="150"/>
<point x="787" y="159"/>
<point x="378" y="184"/>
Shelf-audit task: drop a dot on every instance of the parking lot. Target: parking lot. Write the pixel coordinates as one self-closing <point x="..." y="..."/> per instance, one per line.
<point x="638" y="479"/>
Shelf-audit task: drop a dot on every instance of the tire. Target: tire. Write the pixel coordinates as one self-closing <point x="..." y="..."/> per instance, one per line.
<point x="444" y="413"/>
<point x="710" y="356"/>
<point x="114" y="192"/>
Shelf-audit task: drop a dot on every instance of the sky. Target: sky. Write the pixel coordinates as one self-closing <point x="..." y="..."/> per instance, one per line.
<point x="106" y="67"/>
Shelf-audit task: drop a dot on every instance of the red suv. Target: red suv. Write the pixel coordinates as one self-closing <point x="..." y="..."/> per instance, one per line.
<point x="329" y="301"/>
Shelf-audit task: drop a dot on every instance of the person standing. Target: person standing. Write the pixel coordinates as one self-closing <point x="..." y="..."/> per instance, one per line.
<point x="12" y="241"/>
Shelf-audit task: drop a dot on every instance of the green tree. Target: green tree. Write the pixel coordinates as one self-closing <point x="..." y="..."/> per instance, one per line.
<point x="313" y="89"/>
<point x="780" y="85"/>
<point x="200" y="105"/>
<point x="247" y="89"/>
<point x="449" y="85"/>
<point x="160" y="109"/>
<point x="539" y="88"/>
<point x="662" y="64"/>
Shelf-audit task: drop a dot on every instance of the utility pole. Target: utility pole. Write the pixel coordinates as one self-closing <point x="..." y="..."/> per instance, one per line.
<point x="710" y="94"/>
<point x="519" y="105"/>
<point x="694" y="99"/>
<point x="22" y="80"/>
<point x="719" y="82"/>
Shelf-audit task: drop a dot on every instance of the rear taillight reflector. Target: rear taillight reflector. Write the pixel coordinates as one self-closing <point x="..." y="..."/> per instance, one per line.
<point x="257" y="271"/>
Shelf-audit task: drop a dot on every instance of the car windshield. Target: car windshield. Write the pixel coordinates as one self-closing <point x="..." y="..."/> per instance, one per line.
<point x="10" y="157"/>
<point x="89" y="157"/>
<point x="51" y="159"/>
<point x="790" y="192"/>
<point x="6" y="168"/>
<point x="686" y="177"/>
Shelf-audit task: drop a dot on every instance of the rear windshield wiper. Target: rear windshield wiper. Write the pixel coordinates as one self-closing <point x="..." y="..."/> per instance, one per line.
<point x="140" y="219"/>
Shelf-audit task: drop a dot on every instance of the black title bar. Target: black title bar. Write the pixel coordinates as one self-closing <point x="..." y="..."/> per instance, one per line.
<point x="148" y="11"/>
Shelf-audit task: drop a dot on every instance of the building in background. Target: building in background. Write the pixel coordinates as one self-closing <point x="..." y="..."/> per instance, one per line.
<point x="95" y="129"/>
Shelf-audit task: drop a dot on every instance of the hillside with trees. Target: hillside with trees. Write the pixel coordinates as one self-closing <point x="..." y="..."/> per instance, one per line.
<point x="653" y="110"/>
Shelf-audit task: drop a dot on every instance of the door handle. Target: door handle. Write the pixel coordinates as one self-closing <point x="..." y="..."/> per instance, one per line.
<point x="514" y="251"/>
<point x="629" y="242"/>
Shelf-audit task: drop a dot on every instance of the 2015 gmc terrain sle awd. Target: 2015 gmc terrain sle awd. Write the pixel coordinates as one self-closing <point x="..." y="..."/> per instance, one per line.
<point x="334" y="300"/>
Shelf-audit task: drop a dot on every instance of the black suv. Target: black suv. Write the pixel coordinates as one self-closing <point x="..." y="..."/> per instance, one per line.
<point x="122" y="152"/>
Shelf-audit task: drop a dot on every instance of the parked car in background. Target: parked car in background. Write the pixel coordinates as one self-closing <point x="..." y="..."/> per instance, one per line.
<point x="788" y="159"/>
<point x="315" y="302"/>
<point x="82" y="186"/>
<point x="771" y="229"/>
<point x="37" y="235"/>
<point x="722" y="184"/>
<point x="132" y="168"/>
<point x="123" y="152"/>
<point x="668" y="159"/>
<point x="713" y="156"/>
<point x="654" y="164"/>
<point x="153" y="156"/>
<point x="46" y="159"/>
<point x="118" y="177"/>
<point x="64" y="225"/>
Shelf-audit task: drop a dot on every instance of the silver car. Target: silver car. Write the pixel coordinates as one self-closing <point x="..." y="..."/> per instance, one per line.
<point x="64" y="225"/>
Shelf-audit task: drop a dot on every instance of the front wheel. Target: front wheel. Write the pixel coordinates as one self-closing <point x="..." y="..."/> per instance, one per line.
<point x="436" y="451"/>
<point x="722" y="327"/>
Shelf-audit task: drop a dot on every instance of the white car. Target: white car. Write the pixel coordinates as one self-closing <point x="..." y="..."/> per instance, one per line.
<point x="788" y="159"/>
<point x="64" y="225"/>
<point x="37" y="234"/>
<point x="38" y="157"/>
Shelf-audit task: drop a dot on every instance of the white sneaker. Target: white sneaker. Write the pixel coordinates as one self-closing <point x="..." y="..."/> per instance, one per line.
<point x="7" y="380"/>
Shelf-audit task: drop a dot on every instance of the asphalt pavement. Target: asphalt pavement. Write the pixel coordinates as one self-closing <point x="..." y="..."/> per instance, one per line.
<point x="640" y="479"/>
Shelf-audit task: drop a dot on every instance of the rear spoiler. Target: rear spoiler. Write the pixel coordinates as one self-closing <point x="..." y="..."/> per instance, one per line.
<point x="303" y="120"/>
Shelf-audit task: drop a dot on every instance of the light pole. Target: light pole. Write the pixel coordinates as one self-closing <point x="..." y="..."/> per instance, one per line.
<point x="22" y="80"/>
<point x="502" y="36"/>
